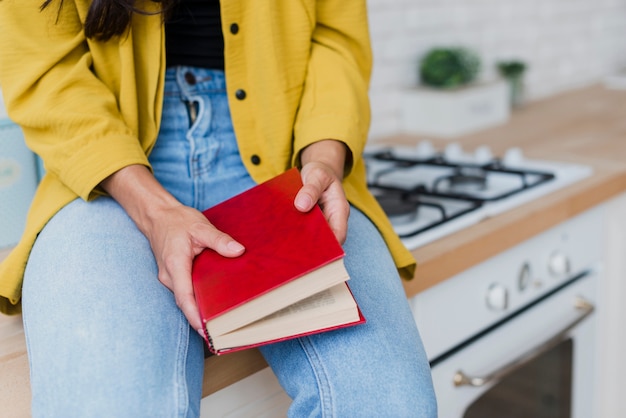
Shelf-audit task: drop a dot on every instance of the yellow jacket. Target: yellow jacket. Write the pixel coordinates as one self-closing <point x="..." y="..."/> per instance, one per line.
<point x="89" y="108"/>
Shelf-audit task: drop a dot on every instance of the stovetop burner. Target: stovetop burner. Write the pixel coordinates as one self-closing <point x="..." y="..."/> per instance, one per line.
<point x="427" y="194"/>
<point x="465" y="180"/>
<point x="414" y="211"/>
<point x="399" y="208"/>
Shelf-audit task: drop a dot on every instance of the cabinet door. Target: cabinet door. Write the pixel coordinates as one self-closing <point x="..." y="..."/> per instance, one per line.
<point x="612" y="314"/>
<point x="258" y="395"/>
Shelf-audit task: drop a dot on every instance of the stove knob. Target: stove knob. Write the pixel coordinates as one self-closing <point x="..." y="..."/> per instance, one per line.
<point x="453" y="152"/>
<point x="558" y="265"/>
<point x="483" y="154"/>
<point x="497" y="297"/>
<point x="525" y="277"/>
<point x="513" y="157"/>
<point x="424" y="150"/>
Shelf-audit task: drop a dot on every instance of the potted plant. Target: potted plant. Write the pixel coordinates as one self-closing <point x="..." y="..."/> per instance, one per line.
<point x="513" y="72"/>
<point x="450" y="100"/>
<point x="448" y="68"/>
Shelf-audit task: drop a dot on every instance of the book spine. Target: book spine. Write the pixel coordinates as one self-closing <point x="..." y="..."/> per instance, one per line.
<point x="208" y="340"/>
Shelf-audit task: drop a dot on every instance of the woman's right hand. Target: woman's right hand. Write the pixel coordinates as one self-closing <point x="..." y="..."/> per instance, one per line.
<point x="177" y="233"/>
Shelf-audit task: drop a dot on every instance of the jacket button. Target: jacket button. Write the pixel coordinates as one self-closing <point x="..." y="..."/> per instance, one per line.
<point x="234" y="28"/>
<point x="255" y="159"/>
<point x="190" y="78"/>
<point x="240" y="94"/>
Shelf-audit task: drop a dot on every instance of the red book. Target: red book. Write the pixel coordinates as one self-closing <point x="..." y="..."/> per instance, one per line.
<point x="290" y="281"/>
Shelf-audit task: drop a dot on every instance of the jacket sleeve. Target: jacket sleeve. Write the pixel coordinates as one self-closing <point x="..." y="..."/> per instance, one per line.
<point x="69" y="116"/>
<point x="335" y="103"/>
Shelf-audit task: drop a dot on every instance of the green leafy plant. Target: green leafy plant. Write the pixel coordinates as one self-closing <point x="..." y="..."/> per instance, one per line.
<point x="513" y="72"/>
<point x="448" y="68"/>
<point x="511" y="69"/>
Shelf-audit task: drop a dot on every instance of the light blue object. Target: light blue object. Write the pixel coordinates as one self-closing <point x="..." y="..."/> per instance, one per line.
<point x="18" y="180"/>
<point x="40" y="169"/>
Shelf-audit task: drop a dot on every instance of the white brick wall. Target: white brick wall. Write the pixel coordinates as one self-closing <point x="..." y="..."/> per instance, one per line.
<point x="566" y="43"/>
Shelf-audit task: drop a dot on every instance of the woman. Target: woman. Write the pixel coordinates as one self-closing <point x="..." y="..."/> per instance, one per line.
<point x="136" y="138"/>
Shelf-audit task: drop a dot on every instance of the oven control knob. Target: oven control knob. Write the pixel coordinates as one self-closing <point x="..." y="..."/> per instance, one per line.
<point x="497" y="297"/>
<point x="558" y="264"/>
<point x="525" y="277"/>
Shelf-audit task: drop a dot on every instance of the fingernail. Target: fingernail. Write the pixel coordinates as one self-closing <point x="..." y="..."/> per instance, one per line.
<point x="235" y="246"/>
<point x="303" y="202"/>
<point x="201" y="332"/>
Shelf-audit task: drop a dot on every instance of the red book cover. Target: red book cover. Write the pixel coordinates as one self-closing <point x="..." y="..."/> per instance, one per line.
<point x="282" y="244"/>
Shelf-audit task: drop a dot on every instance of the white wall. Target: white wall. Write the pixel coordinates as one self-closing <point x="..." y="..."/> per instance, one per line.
<point x="566" y="43"/>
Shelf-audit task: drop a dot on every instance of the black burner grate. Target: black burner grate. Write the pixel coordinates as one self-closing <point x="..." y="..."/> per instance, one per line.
<point x="465" y="186"/>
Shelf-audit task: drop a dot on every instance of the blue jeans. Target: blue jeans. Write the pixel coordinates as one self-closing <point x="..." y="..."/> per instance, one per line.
<point x="105" y="338"/>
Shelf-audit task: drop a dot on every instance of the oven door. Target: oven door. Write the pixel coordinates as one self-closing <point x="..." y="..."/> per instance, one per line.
<point x="538" y="363"/>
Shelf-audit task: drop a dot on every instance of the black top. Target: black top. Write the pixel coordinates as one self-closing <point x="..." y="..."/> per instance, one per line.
<point x="193" y="35"/>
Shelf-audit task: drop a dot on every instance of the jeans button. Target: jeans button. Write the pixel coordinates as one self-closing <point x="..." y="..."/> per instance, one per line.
<point x="190" y="78"/>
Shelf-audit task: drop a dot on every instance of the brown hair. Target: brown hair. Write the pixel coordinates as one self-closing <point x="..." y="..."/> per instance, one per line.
<point x="107" y="18"/>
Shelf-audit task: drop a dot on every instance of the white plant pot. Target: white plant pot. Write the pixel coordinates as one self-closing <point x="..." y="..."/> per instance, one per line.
<point x="452" y="113"/>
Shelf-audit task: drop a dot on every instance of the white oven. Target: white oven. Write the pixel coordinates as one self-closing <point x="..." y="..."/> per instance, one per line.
<point x="514" y="336"/>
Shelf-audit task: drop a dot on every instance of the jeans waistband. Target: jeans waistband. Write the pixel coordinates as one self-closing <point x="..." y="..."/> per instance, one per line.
<point x="193" y="80"/>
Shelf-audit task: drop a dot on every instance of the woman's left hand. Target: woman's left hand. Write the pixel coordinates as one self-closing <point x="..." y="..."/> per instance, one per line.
<point x="322" y="172"/>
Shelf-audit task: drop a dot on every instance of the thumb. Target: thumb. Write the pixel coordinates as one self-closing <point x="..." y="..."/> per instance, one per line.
<point x="221" y="242"/>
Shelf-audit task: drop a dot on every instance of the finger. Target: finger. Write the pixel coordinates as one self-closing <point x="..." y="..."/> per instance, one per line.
<point x="315" y="182"/>
<point x="337" y="213"/>
<point x="220" y="242"/>
<point x="186" y="301"/>
<point x="176" y="275"/>
<point x="306" y="198"/>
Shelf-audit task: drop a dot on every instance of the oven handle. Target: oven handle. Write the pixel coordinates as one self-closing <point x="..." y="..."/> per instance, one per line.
<point x="461" y="379"/>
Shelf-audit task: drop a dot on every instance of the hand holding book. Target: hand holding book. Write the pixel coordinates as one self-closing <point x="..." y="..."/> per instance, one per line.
<point x="290" y="256"/>
<point x="323" y="165"/>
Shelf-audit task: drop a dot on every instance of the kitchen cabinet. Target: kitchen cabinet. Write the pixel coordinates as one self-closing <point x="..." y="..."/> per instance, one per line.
<point x="259" y="395"/>
<point x="612" y="314"/>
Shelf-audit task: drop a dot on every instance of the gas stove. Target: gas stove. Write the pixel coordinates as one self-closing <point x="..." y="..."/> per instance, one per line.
<point x="429" y="193"/>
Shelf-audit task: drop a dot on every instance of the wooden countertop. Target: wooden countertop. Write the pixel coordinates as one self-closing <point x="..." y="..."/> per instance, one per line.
<point x="586" y="126"/>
